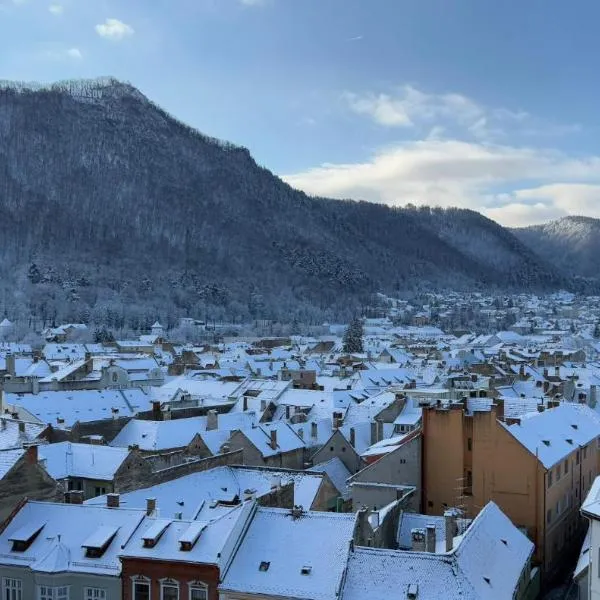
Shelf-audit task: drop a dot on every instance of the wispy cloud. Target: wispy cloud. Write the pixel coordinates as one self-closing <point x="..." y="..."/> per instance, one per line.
<point x="356" y="38"/>
<point x="253" y="2"/>
<point x="56" y="9"/>
<point x="113" y="29"/>
<point x="74" y="54"/>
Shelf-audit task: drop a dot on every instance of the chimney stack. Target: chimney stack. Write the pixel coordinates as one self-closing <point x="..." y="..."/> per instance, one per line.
<point x="21" y="426"/>
<point x="373" y="432"/>
<point x="156" y="411"/>
<point x="212" y="420"/>
<point x="244" y="403"/>
<point x="113" y="500"/>
<point x="430" y="538"/>
<point x="353" y="437"/>
<point x="10" y="364"/>
<point x="314" y="430"/>
<point x="545" y="372"/>
<point x="593" y="396"/>
<point x="379" y="430"/>
<point x="557" y="371"/>
<point x="450" y="527"/>
<point x="274" y="439"/>
<point x="74" y="497"/>
<point x="150" y="506"/>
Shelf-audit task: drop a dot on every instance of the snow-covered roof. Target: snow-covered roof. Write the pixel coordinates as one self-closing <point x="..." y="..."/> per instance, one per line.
<point x="64" y="529"/>
<point x="11" y="435"/>
<point x="8" y="459"/>
<point x="159" y="435"/>
<point x="62" y="409"/>
<point x="211" y="541"/>
<point x="554" y="433"/>
<point x="67" y="459"/>
<point x="192" y="495"/>
<point x="284" y="556"/>
<point x="260" y="437"/>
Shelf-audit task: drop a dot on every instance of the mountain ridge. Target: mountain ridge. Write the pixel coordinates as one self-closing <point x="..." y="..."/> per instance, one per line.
<point x="98" y="185"/>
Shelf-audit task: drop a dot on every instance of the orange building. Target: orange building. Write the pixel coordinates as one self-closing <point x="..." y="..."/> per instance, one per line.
<point x="538" y="469"/>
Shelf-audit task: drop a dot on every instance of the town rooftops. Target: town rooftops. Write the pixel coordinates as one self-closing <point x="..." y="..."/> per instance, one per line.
<point x="292" y="555"/>
<point x="13" y="433"/>
<point x="8" y="459"/>
<point x="554" y="433"/>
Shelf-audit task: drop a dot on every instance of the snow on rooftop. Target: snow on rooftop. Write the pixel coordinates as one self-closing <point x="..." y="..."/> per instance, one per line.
<point x="8" y="459"/>
<point x="285" y="556"/>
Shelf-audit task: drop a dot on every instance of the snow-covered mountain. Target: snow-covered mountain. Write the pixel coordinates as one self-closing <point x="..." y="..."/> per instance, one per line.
<point x="114" y="210"/>
<point x="570" y="243"/>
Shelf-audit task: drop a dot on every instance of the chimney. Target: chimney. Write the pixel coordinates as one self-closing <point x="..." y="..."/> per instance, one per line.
<point x="112" y="500"/>
<point x="499" y="406"/>
<point x="156" y="411"/>
<point x="546" y="386"/>
<point x="450" y="527"/>
<point x="245" y="403"/>
<point x="10" y="364"/>
<point x="353" y="437"/>
<point x="545" y="372"/>
<point x="32" y="454"/>
<point x="212" y="420"/>
<point x="417" y="537"/>
<point x="373" y="432"/>
<point x="287" y="412"/>
<point x="54" y="384"/>
<point x="430" y="538"/>
<point x="557" y="371"/>
<point x="263" y="405"/>
<point x="74" y="497"/>
<point x="379" y="430"/>
<point x="150" y="506"/>
<point x="35" y="386"/>
<point x="593" y="396"/>
<point x="22" y="427"/>
<point x="274" y="439"/>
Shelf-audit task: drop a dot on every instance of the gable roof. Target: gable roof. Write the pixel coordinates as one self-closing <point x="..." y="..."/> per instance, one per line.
<point x="8" y="459"/>
<point x="67" y="459"/>
<point x="317" y="541"/>
<point x="547" y="434"/>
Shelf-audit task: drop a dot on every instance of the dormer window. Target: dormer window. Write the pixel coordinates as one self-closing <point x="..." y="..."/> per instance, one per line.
<point x="153" y="534"/>
<point x="306" y="570"/>
<point x="191" y="535"/>
<point x="25" y="536"/>
<point x="546" y="442"/>
<point x="97" y="543"/>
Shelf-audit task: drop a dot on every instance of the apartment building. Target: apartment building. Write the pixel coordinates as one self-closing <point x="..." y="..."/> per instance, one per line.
<point x="537" y="468"/>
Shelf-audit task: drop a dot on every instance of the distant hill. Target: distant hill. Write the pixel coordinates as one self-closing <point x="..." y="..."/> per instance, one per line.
<point x="113" y="211"/>
<point x="572" y="244"/>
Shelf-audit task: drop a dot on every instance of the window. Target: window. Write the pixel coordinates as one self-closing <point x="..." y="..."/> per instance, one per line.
<point x="566" y="466"/>
<point x="577" y="458"/>
<point x="12" y="589"/>
<point x="99" y="491"/>
<point x="469" y="444"/>
<point x="198" y="591"/>
<point x="169" y="590"/>
<point x="46" y="592"/>
<point x="549" y="478"/>
<point x="94" y="594"/>
<point x="558" y="473"/>
<point x="141" y="589"/>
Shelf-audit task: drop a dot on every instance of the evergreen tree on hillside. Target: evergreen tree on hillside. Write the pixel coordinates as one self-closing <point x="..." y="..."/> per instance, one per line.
<point x="353" y="337"/>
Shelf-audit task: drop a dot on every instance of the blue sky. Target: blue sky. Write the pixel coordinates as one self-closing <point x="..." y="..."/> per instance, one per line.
<point x="475" y="103"/>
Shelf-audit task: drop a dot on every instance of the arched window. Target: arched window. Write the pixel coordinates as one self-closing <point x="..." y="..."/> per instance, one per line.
<point x="198" y="590"/>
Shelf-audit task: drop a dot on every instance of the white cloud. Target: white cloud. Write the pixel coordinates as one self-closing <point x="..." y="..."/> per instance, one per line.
<point x="56" y="9"/>
<point x="113" y="29"/>
<point x="63" y="54"/>
<point x="74" y="53"/>
<point x="411" y="106"/>
<point x="445" y="173"/>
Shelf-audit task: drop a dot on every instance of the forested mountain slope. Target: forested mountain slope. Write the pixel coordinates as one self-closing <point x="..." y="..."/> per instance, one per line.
<point x="114" y="211"/>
